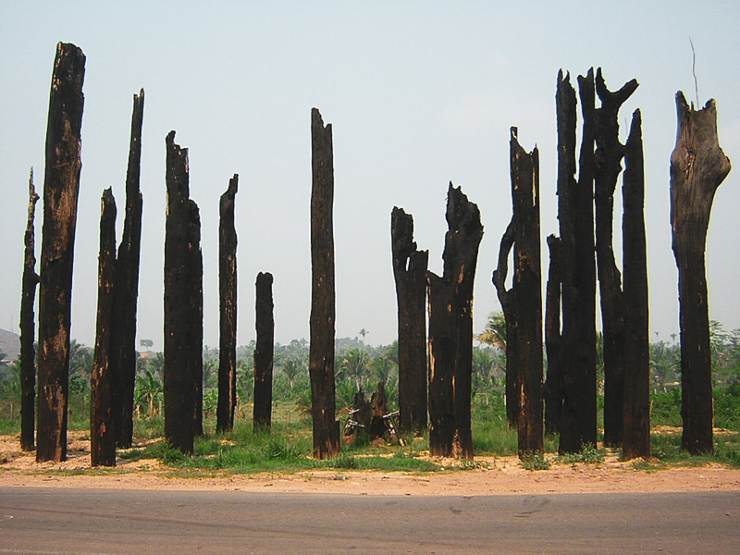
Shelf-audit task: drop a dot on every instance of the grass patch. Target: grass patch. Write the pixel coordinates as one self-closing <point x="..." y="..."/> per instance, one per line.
<point x="535" y="461"/>
<point x="588" y="454"/>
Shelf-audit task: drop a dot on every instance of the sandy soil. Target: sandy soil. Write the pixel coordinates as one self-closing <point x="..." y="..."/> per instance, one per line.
<point x="493" y="476"/>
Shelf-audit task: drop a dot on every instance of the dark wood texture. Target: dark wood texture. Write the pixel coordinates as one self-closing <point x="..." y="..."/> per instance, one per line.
<point x="323" y="300"/>
<point x="27" y="325"/>
<point x="698" y="167"/>
<point x="61" y="192"/>
<point x="451" y="330"/>
<point x="102" y="432"/>
<point x="126" y="291"/>
<point x="263" y="352"/>
<point x="636" y="401"/>
<point x="553" y="388"/>
<point x="227" y="291"/>
<point x="409" y="272"/>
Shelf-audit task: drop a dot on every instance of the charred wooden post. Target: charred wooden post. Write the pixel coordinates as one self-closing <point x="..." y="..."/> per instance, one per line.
<point x="126" y="292"/>
<point x="27" y="325"/>
<point x="183" y="302"/>
<point x="609" y="152"/>
<point x="698" y="167"/>
<point x="636" y="402"/>
<point x="263" y="353"/>
<point x="576" y="215"/>
<point x="525" y="190"/>
<point x="227" y="287"/>
<point x="61" y="191"/>
<point x="451" y="331"/>
<point x="102" y="432"/>
<point x="378" y="409"/>
<point x="553" y="389"/>
<point x="323" y="308"/>
<point x="508" y="307"/>
<point x="409" y="272"/>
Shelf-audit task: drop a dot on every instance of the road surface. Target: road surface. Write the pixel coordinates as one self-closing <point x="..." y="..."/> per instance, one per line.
<point x="40" y="521"/>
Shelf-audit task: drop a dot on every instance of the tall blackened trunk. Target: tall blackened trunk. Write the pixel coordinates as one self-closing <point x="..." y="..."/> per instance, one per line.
<point x="183" y="302"/>
<point x="227" y="286"/>
<point x="698" y="167"/>
<point x="553" y="389"/>
<point x="102" y="432"/>
<point x="263" y="353"/>
<point x="409" y="271"/>
<point x="609" y="152"/>
<point x="636" y="403"/>
<point x="27" y="325"/>
<point x="61" y="191"/>
<point x="451" y="330"/>
<point x="323" y="308"/>
<point x="126" y="292"/>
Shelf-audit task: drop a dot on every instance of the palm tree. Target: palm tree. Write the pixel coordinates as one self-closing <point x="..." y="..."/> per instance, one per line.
<point x="495" y="332"/>
<point x="149" y="390"/>
<point x="354" y="366"/>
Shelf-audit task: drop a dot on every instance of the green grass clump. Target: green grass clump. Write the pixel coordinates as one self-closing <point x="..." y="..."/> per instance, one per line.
<point x="588" y="454"/>
<point x="534" y="461"/>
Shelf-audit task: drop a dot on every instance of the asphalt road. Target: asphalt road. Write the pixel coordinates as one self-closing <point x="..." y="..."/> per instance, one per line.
<point x="34" y="520"/>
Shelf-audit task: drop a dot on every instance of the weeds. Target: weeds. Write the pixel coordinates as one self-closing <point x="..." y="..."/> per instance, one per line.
<point x="534" y="461"/>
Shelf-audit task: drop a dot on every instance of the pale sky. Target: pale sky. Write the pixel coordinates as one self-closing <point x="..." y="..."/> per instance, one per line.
<point x="419" y="93"/>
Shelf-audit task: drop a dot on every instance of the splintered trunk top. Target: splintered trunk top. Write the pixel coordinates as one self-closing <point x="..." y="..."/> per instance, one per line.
<point x="61" y="191"/>
<point x="321" y="356"/>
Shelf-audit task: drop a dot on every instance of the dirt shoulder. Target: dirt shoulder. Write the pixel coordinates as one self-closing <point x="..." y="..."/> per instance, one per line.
<point x="492" y="476"/>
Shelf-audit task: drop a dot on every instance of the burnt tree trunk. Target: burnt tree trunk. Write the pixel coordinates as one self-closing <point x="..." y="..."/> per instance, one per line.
<point x="263" y="353"/>
<point x="409" y="271"/>
<point x="126" y="292"/>
<point x="508" y="306"/>
<point x="27" y="325"/>
<point x="61" y="191"/>
<point x="636" y="402"/>
<point x="698" y="167"/>
<point x="227" y="287"/>
<point x="182" y="302"/>
<point x="323" y="308"/>
<point x="553" y="389"/>
<point x="102" y="432"/>
<point x="451" y="330"/>
<point x="576" y="215"/>
<point x="525" y="190"/>
<point x="609" y="152"/>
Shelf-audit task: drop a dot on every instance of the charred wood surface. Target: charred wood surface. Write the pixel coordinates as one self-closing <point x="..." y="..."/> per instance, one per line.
<point x="227" y="288"/>
<point x="553" y="389"/>
<point x="61" y="192"/>
<point x="698" y="167"/>
<point x="409" y="272"/>
<point x="263" y="353"/>
<point x="126" y="291"/>
<point x="323" y="307"/>
<point x="102" y="432"/>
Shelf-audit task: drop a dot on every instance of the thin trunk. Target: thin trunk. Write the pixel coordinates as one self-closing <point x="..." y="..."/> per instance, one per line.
<point x="61" y="192"/>
<point x="451" y="338"/>
<point x="698" y="167"/>
<point x="323" y="308"/>
<point x="609" y="152"/>
<point x="263" y="353"/>
<point x="102" y="433"/>
<point x="195" y="264"/>
<point x="553" y="389"/>
<point x="409" y="272"/>
<point x="27" y="325"/>
<point x="126" y="292"/>
<point x="636" y="405"/>
<point x="227" y="286"/>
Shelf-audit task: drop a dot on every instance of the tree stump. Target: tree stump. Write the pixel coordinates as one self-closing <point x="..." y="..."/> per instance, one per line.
<point x="102" y="431"/>
<point x="409" y="272"/>
<point x="61" y="191"/>
<point x="27" y="326"/>
<point x="323" y="309"/>
<point x="451" y="331"/>
<point x="698" y="167"/>
<point x="378" y="409"/>
<point x="227" y="288"/>
<point x="126" y="292"/>
<point x="553" y="389"/>
<point x="263" y="353"/>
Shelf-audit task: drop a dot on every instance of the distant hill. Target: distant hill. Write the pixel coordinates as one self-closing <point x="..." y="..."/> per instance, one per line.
<point x="10" y="344"/>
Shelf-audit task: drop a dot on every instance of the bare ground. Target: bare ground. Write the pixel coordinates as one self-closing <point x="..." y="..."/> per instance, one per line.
<point x="491" y="476"/>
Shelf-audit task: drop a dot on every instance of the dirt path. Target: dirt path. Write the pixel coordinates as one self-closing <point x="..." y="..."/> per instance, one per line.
<point x="493" y="476"/>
